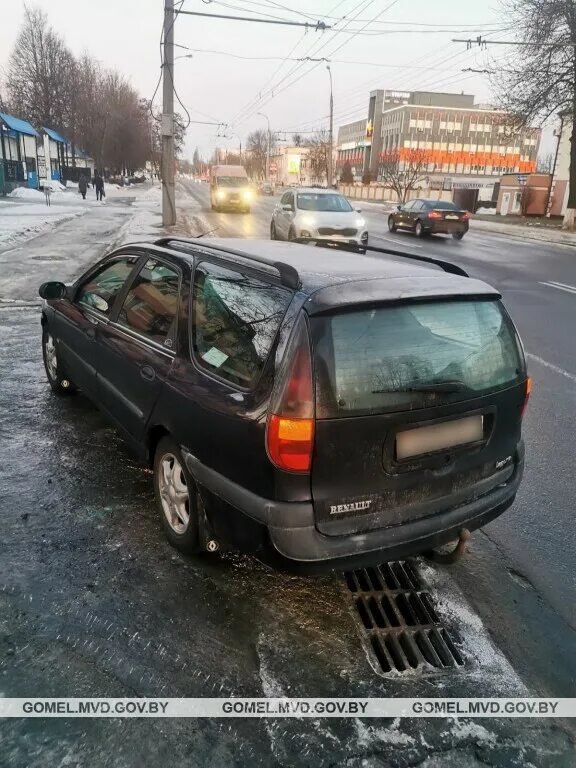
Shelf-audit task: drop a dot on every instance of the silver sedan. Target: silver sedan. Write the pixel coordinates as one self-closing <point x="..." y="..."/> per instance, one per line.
<point x="318" y="214"/>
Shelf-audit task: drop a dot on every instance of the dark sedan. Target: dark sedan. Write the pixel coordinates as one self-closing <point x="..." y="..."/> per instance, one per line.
<point x="430" y="217"/>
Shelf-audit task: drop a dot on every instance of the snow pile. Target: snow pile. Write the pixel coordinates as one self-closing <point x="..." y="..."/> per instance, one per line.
<point x="486" y="211"/>
<point x="21" y="221"/>
<point x="24" y="193"/>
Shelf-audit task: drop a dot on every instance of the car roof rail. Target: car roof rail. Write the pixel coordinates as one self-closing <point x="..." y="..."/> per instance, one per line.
<point x="447" y="266"/>
<point x="289" y="276"/>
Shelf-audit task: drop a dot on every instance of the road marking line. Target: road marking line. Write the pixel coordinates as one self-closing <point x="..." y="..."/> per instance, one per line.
<point x="564" y="285"/>
<point x="560" y="287"/>
<point x="392" y="239"/>
<point x="551" y="366"/>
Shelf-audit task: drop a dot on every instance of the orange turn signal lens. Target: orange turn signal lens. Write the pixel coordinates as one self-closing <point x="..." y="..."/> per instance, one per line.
<point x="290" y="443"/>
<point x="526" y="395"/>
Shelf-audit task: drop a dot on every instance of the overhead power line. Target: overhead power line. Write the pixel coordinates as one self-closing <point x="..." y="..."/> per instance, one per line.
<point x="483" y="43"/>
<point x="318" y="26"/>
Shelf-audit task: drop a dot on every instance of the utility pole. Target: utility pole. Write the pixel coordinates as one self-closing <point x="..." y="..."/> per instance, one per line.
<point x="168" y="186"/>
<point x="267" y="146"/>
<point x="331" y="148"/>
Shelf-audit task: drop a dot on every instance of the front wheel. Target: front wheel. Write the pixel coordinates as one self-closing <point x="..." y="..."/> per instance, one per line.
<point x="177" y="498"/>
<point x="55" y="373"/>
<point x="391" y="224"/>
<point x="457" y="235"/>
<point x="292" y="234"/>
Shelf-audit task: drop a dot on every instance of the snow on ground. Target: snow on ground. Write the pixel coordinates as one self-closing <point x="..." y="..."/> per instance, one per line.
<point x="24" y="213"/>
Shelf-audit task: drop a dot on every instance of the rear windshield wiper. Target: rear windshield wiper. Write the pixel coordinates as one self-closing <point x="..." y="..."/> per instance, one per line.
<point x="433" y="386"/>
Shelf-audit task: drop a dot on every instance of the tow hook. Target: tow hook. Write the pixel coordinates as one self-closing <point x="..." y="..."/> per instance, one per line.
<point x="447" y="558"/>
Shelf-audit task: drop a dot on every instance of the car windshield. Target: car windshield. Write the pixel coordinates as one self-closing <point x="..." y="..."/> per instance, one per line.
<point x="231" y="181"/>
<point x="413" y="356"/>
<point x="310" y="201"/>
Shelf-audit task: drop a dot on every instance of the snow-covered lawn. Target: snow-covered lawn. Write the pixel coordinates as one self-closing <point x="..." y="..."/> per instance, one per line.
<point x="22" y="220"/>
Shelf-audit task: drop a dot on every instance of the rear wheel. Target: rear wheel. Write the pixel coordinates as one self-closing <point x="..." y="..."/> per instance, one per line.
<point x="55" y="373"/>
<point x="419" y="229"/>
<point x="457" y="235"/>
<point x="177" y="498"/>
<point x="391" y="224"/>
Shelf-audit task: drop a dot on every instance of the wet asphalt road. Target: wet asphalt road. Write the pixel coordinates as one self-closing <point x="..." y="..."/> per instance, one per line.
<point x="93" y="601"/>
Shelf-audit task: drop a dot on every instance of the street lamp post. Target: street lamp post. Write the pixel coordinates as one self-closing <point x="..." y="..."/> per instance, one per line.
<point x="267" y="146"/>
<point x="331" y="148"/>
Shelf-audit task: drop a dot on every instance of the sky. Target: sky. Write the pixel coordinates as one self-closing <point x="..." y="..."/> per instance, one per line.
<point x="373" y="44"/>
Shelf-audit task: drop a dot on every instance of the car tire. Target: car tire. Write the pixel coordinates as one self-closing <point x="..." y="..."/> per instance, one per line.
<point x="57" y="378"/>
<point x="457" y="235"/>
<point x="177" y="497"/>
<point x="391" y="224"/>
<point x="419" y="229"/>
<point x="273" y="235"/>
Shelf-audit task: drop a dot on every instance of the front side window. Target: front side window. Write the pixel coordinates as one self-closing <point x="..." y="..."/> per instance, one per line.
<point x="414" y="356"/>
<point x="309" y="201"/>
<point x="100" y="291"/>
<point x="151" y="304"/>
<point x="235" y="319"/>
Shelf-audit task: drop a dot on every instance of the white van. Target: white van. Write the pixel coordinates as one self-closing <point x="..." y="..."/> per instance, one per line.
<point x="230" y="188"/>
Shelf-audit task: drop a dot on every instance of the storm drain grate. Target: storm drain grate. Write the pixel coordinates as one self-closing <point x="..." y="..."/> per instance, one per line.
<point x="399" y="619"/>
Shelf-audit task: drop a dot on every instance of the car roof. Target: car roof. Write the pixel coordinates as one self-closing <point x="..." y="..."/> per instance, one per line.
<point x="335" y="277"/>
<point x="318" y="191"/>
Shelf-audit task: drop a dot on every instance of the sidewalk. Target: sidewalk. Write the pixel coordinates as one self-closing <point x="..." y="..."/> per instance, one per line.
<point x="523" y="231"/>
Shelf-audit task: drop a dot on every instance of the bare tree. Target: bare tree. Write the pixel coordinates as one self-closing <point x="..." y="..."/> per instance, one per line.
<point x="318" y="155"/>
<point x="539" y="78"/>
<point x="39" y="78"/>
<point x="404" y="173"/>
<point x="257" y="150"/>
<point x="545" y="163"/>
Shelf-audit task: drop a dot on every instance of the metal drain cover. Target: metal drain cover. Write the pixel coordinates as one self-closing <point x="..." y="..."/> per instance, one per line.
<point x="399" y="620"/>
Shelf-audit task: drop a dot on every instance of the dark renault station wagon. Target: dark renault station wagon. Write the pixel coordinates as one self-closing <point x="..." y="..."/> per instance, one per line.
<point x="303" y="403"/>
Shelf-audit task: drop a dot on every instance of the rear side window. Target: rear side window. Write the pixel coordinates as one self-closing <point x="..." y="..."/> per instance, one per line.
<point x="151" y="304"/>
<point x="235" y="319"/>
<point x="442" y="205"/>
<point x="413" y="356"/>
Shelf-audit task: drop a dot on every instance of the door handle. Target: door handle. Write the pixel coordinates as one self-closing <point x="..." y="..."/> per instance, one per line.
<point x="148" y="373"/>
<point x="91" y="333"/>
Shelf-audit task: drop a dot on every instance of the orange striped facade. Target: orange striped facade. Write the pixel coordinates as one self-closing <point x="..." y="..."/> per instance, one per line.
<point x="444" y="157"/>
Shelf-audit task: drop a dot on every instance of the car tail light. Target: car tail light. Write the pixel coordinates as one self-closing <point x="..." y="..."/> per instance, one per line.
<point x="290" y="428"/>
<point x="526" y="396"/>
<point x="465" y="215"/>
<point x="435" y="215"/>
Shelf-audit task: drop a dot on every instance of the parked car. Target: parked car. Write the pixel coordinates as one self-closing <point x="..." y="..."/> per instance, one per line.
<point x="316" y="409"/>
<point x="266" y="188"/>
<point x="430" y="217"/>
<point x="318" y="214"/>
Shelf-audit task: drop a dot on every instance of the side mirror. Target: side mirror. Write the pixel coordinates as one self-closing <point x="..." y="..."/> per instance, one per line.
<point x="287" y="207"/>
<point x="399" y="207"/>
<point x="52" y="290"/>
<point x="358" y="210"/>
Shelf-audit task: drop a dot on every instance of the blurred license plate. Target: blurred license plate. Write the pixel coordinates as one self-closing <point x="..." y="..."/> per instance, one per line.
<point x="438" y="437"/>
<point x="451" y="216"/>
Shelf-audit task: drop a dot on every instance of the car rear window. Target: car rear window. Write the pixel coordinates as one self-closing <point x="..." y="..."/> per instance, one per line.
<point x="413" y="356"/>
<point x="441" y="205"/>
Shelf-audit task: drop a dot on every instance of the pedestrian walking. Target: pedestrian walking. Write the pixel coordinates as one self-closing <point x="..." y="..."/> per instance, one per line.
<point x="47" y="193"/>
<point x="82" y="185"/>
<point x="99" y="186"/>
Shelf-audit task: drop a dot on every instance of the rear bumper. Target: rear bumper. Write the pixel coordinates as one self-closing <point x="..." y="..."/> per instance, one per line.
<point x="446" y="228"/>
<point x="294" y="536"/>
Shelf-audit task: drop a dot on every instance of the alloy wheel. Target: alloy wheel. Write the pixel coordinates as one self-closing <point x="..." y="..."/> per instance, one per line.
<point x="174" y="493"/>
<point x="51" y="358"/>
